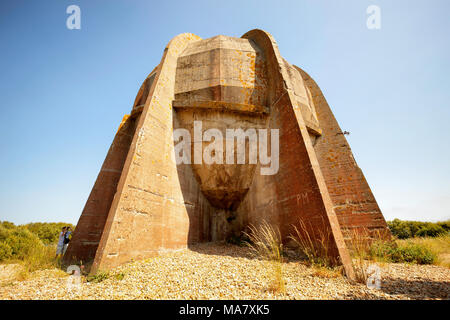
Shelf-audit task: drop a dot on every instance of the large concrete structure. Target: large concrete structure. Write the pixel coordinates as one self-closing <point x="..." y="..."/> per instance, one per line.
<point x="143" y="202"/>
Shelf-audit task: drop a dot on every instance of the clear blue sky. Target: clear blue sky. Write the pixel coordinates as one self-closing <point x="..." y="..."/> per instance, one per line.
<point x="64" y="92"/>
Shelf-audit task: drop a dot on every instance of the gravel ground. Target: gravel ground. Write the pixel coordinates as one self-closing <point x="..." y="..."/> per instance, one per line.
<point x="219" y="271"/>
<point x="8" y="272"/>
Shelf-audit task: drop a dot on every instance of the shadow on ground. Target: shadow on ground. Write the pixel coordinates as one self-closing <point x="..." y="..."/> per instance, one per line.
<point x="223" y="248"/>
<point x="419" y="288"/>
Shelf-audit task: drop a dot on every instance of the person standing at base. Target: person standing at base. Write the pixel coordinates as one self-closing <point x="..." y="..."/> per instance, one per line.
<point x="67" y="237"/>
<point x="60" y="245"/>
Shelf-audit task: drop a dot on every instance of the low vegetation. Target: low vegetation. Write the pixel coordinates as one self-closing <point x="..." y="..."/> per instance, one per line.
<point x="313" y="245"/>
<point x="47" y="232"/>
<point x="360" y="245"/>
<point x="411" y="229"/>
<point x="417" y="242"/>
<point x="402" y="252"/>
<point x="33" y="245"/>
<point x="98" y="277"/>
<point x="265" y="242"/>
<point x="432" y="248"/>
<point x="419" y="250"/>
<point x="439" y="246"/>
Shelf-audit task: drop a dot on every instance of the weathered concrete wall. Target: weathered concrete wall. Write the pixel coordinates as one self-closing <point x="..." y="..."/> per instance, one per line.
<point x="143" y="203"/>
<point x="298" y="191"/>
<point x="149" y="212"/>
<point x="222" y="82"/>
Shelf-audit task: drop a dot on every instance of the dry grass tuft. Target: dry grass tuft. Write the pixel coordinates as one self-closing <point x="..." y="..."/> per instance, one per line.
<point x="314" y="245"/>
<point x="327" y="273"/>
<point x="265" y="243"/>
<point x="40" y="257"/>
<point x="360" y="252"/>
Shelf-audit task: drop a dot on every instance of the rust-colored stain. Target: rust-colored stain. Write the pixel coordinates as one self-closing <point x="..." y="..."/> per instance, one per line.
<point x="124" y="119"/>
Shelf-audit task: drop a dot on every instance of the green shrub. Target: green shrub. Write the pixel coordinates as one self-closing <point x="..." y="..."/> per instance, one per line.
<point x="414" y="253"/>
<point x="409" y="229"/>
<point x="40" y="257"/>
<point x="400" y="229"/>
<point x="48" y="232"/>
<point x="98" y="277"/>
<point x="445" y="225"/>
<point x="5" y="251"/>
<point x="22" y="242"/>
<point x="32" y="245"/>
<point x="431" y="230"/>
<point x="120" y="276"/>
<point x="4" y="233"/>
<point x="7" y="225"/>
<point x="406" y="252"/>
